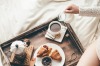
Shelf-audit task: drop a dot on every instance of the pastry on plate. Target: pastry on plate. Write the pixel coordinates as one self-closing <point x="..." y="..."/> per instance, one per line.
<point x="55" y="55"/>
<point x="44" y="51"/>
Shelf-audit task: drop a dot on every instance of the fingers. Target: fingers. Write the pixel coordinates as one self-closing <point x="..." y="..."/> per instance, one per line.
<point x="69" y="7"/>
<point x="68" y="11"/>
<point x="32" y="61"/>
<point x="72" y="9"/>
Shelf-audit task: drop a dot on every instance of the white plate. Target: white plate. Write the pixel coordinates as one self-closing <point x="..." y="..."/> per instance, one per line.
<point x="54" y="62"/>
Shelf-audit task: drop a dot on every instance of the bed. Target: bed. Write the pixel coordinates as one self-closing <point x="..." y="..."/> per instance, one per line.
<point x="18" y="16"/>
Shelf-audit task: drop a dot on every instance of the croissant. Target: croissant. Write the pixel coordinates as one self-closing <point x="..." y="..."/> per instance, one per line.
<point x="44" y="51"/>
<point x="56" y="56"/>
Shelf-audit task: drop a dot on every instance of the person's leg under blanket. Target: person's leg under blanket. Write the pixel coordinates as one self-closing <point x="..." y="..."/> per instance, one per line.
<point x="91" y="56"/>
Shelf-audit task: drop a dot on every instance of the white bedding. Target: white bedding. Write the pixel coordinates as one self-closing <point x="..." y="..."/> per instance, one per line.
<point x="17" y="16"/>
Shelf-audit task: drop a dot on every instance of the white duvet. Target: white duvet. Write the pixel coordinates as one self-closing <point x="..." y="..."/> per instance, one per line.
<point x="18" y="16"/>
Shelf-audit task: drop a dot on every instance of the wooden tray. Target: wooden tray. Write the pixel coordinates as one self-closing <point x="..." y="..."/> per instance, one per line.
<point x="71" y="44"/>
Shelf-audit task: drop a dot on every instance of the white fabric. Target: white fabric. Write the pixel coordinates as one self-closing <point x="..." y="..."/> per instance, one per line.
<point x="17" y="16"/>
<point x="98" y="47"/>
<point x="90" y="11"/>
<point x="93" y="10"/>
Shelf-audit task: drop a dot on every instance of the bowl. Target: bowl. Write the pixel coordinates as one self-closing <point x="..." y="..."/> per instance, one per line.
<point x="46" y="61"/>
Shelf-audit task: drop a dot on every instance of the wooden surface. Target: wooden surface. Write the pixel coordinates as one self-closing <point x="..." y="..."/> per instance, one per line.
<point x="67" y="45"/>
<point x="70" y="45"/>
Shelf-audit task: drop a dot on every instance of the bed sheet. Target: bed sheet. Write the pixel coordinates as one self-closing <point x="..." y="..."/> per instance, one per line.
<point x="18" y="16"/>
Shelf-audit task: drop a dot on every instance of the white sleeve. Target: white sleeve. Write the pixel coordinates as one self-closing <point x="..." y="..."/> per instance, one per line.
<point x="89" y="11"/>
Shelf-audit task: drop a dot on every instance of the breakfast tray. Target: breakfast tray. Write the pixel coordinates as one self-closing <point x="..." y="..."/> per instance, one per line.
<point x="70" y="44"/>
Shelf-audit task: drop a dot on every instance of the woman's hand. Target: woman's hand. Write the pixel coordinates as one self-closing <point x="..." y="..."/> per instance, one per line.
<point x="32" y="62"/>
<point x="73" y="9"/>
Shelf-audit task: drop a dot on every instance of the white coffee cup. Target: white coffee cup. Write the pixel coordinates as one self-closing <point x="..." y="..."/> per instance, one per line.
<point x="55" y="28"/>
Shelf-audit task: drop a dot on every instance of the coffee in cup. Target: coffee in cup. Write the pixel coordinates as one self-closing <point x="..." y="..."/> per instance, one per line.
<point x="55" y="27"/>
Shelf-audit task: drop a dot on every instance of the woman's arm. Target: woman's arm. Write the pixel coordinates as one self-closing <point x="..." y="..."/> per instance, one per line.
<point x="89" y="11"/>
<point x="89" y="58"/>
<point x="83" y="11"/>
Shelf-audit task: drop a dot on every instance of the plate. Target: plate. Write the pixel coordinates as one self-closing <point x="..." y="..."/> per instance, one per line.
<point x="54" y="62"/>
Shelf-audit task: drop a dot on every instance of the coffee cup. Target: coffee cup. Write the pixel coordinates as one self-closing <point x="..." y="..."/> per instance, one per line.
<point x="55" y="29"/>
